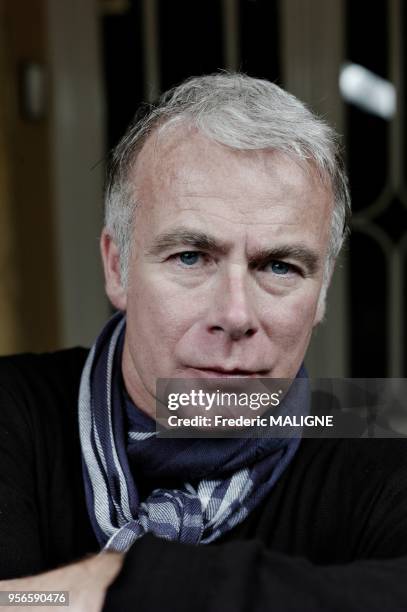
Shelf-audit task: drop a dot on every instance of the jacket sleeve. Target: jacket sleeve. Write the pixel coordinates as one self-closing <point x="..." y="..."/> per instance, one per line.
<point x="245" y="576"/>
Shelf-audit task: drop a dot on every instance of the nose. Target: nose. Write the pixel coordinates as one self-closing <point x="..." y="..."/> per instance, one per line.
<point x="232" y="310"/>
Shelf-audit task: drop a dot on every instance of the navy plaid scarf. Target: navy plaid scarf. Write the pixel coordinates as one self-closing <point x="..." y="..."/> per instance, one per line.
<point x="219" y="481"/>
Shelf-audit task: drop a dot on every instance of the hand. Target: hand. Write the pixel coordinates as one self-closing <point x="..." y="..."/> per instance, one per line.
<point x="86" y="581"/>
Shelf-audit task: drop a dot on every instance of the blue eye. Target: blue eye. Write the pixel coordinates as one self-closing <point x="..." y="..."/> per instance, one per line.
<point x="280" y="267"/>
<point x="189" y="258"/>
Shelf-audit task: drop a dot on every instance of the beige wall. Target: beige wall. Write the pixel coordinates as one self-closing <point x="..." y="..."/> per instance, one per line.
<point x="51" y="177"/>
<point x="28" y="301"/>
<point x="78" y="154"/>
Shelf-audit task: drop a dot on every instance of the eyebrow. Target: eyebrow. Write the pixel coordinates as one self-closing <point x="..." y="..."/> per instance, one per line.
<point x="182" y="236"/>
<point x="300" y="253"/>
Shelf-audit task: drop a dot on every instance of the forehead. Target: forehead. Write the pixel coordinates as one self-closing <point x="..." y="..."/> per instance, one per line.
<point x="180" y="175"/>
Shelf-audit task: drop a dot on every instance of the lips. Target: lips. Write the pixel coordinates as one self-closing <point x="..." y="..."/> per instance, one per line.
<point x="218" y="372"/>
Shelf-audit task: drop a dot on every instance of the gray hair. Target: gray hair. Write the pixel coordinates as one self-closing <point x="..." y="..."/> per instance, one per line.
<point x="242" y="113"/>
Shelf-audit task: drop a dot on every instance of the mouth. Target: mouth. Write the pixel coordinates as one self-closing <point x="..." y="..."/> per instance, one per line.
<point x="216" y="372"/>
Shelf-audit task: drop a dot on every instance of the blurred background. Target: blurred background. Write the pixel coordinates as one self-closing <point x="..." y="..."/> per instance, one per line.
<point x="72" y="75"/>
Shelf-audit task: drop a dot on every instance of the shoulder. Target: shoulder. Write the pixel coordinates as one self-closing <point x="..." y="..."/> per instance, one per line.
<point x="362" y="473"/>
<point x="365" y="473"/>
<point x="32" y="368"/>
<point x="357" y="459"/>
<point x="40" y="389"/>
<point x="354" y="491"/>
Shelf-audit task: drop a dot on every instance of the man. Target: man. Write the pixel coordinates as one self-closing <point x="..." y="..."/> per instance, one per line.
<point x="226" y="208"/>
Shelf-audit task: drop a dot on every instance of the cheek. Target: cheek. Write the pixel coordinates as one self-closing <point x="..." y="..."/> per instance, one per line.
<point x="290" y="321"/>
<point x="159" y="313"/>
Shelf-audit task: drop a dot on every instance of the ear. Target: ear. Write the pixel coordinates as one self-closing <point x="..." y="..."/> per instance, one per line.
<point x="321" y="306"/>
<point x="111" y="265"/>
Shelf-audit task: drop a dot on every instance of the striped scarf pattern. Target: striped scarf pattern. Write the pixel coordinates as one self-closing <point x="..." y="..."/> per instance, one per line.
<point x="219" y="481"/>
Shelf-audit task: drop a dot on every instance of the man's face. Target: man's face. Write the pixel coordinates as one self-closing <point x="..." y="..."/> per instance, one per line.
<point x="227" y="264"/>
